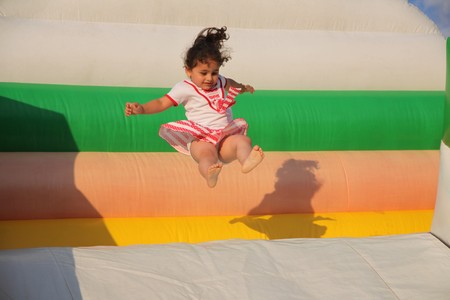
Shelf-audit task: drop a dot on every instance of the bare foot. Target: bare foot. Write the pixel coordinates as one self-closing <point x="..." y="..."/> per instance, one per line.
<point x="213" y="174"/>
<point x="254" y="158"/>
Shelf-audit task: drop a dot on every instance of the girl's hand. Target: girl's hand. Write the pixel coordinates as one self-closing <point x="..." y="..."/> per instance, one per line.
<point x="133" y="109"/>
<point x="247" y="88"/>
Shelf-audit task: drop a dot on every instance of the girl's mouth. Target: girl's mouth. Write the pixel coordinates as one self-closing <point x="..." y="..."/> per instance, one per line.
<point x="208" y="86"/>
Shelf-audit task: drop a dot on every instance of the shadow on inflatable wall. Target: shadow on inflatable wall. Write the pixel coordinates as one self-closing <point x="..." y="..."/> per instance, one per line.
<point x="295" y="188"/>
<point x="34" y="179"/>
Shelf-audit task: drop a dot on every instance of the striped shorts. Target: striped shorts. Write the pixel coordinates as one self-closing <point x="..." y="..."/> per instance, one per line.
<point x="180" y="134"/>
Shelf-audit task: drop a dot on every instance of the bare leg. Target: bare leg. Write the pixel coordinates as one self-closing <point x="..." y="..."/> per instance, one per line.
<point x="253" y="159"/>
<point x="205" y="154"/>
<point x="240" y="147"/>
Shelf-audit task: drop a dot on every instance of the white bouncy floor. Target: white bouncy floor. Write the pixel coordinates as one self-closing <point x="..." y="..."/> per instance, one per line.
<point x="415" y="266"/>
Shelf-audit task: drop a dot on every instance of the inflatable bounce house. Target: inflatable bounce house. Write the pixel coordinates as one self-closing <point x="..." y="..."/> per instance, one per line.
<point x="352" y="200"/>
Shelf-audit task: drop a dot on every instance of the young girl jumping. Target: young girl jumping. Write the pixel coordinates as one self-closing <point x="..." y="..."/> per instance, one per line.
<point x="210" y="134"/>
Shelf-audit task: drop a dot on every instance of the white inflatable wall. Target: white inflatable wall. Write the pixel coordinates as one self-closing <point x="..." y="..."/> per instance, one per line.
<point x="387" y="44"/>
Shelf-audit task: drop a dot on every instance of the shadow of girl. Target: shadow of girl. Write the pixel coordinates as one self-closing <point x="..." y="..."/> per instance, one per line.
<point x="287" y="212"/>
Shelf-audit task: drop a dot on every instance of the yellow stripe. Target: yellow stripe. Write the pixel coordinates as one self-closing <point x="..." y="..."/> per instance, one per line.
<point x="126" y="231"/>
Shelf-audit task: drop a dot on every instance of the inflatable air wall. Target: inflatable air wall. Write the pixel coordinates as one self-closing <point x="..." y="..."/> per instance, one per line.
<point x="349" y="109"/>
<point x="441" y="223"/>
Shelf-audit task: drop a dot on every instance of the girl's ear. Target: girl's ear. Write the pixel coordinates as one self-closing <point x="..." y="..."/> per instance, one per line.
<point x="187" y="71"/>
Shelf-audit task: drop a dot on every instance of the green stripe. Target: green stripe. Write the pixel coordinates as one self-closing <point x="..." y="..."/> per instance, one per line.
<point x="37" y="117"/>
<point x="446" y="137"/>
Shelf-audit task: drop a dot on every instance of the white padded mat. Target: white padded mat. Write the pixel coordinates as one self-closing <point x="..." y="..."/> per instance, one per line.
<point x="394" y="267"/>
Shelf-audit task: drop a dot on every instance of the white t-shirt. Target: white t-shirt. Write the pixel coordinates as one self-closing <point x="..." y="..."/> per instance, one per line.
<point x="200" y="105"/>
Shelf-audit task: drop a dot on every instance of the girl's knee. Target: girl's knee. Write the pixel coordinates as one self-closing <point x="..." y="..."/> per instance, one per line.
<point x="238" y="139"/>
<point x="203" y="151"/>
<point x="245" y="139"/>
<point x="243" y="142"/>
<point x="232" y="145"/>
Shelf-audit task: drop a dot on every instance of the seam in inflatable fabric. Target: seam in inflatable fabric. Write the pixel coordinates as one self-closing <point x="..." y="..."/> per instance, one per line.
<point x="347" y="186"/>
<point x="3" y="294"/>
<point x="441" y="240"/>
<point x="373" y="269"/>
<point x="60" y="271"/>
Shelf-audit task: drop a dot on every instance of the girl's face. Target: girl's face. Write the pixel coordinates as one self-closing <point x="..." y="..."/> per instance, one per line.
<point x="204" y="75"/>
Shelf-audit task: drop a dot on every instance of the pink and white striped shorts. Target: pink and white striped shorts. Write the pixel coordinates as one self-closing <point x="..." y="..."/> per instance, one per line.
<point x="180" y="134"/>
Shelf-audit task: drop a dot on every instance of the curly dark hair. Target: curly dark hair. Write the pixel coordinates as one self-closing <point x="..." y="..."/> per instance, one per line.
<point x="208" y="46"/>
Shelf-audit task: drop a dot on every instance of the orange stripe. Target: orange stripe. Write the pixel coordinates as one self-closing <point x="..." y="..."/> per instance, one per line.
<point x="61" y="185"/>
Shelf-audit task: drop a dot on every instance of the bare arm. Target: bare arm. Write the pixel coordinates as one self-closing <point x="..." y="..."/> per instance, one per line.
<point x="151" y="107"/>
<point x="244" y="87"/>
